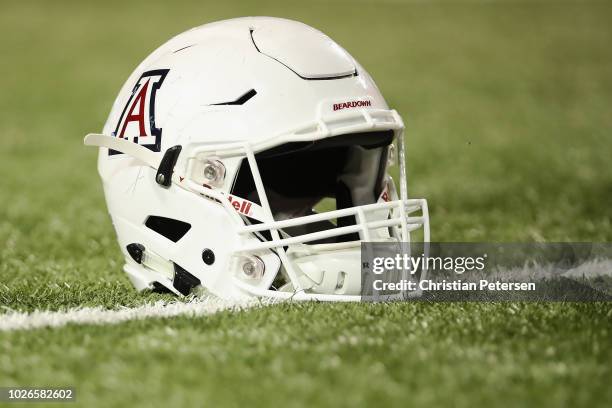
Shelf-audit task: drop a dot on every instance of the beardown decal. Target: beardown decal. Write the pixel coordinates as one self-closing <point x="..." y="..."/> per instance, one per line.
<point x="352" y="104"/>
<point x="137" y="120"/>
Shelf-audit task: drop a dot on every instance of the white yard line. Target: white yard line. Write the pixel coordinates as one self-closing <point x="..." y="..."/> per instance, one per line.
<point x="13" y="320"/>
<point x="97" y="315"/>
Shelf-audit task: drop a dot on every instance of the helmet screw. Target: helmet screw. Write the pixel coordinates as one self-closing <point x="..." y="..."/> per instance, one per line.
<point x="254" y="267"/>
<point x="208" y="256"/>
<point x="210" y="172"/>
<point x="214" y="172"/>
<point x="248" y="268"/>
<point x="160" y="178"/>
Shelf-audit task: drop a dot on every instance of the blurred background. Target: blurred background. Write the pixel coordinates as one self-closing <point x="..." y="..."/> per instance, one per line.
<point x="507" y="104"/>
<point x="508" y="108"/>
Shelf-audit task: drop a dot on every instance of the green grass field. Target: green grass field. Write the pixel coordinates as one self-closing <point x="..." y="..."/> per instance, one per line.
<point x="509" y="125"/>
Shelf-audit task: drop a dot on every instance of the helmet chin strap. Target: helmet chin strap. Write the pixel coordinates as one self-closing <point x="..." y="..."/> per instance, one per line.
<point x="134" y="150"/>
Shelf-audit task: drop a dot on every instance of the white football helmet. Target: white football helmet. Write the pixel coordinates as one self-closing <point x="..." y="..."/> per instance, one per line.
<point x="224" y="140"/>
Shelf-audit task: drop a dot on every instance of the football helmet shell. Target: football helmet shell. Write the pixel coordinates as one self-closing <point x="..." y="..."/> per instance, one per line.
<point x="221" y="142"/>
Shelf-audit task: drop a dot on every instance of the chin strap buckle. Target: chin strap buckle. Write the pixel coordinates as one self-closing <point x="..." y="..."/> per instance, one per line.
<point x="166" y="166"/>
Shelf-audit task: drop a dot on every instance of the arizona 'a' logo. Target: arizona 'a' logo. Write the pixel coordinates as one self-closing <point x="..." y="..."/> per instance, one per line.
<point x="137" y="121"/>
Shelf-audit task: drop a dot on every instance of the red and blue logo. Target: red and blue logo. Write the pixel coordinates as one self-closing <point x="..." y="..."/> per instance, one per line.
<point x="137" y="120"/>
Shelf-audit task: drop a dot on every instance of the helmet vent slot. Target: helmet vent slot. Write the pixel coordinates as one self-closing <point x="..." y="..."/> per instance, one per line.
<point x="308" y="53"/>
<point x="168" y="227"/>
<point x="241" y="100"/>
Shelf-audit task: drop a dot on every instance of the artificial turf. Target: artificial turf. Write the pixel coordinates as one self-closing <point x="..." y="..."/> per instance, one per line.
<point x="507" y="108"/>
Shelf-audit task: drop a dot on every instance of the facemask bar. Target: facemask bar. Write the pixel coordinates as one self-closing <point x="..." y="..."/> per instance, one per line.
<point x="403" y="207"/>
<point x="341" y="123"/>
<point x="363" y="226"/>
<point x="349" y="123"/>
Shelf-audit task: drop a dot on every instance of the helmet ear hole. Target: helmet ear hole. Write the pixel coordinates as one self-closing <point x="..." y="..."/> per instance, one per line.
<point x="169" y="228"/>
